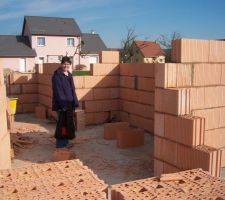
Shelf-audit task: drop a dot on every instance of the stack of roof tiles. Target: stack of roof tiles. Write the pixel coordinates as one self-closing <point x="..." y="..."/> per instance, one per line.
<point x="190" y="108"/>
<point x="57" y="180"/>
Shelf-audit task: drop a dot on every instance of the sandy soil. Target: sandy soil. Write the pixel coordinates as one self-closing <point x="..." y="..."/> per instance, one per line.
<point x="110" y="163"/>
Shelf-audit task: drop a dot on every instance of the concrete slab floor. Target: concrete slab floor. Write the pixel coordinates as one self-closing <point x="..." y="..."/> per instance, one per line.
<point x="111" y="164"/>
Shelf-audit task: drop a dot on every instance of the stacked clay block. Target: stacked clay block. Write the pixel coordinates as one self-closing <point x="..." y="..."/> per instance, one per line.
<point x="58" y="180"/>
<point x="192" y="184"/>
<point x="111" y="129"/>
<point x="125" y="135"/>
<point x="132" y="137"/>
<point x="137" y="86"/>
<point x="5" y="157"/>
<point x="24" y="86"/>
<point x="62" y="154"/>
<point x="40" y="112"/>
<point x="190" y="108"/>
<point x="79" y="119"/>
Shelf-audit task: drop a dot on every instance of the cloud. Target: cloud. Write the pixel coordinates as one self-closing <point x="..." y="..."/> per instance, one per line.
<point x="12" y="10"/>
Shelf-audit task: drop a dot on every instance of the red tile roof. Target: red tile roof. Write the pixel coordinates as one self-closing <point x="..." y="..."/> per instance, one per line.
<point x="149" y="49"/>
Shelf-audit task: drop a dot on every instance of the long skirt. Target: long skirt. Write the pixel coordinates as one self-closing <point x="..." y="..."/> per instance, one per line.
<point x="65" y="128"/>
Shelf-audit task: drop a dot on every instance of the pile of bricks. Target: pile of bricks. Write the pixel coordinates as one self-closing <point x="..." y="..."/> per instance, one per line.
<point x="192" y="184"/>
<point x="5" y="157"/>
<point x="190" y="108"/>
<point x="125" y="135"/>
<point x="137" y="87"/>
<point x="57" y="180"/>
<point x="24" y="86"/>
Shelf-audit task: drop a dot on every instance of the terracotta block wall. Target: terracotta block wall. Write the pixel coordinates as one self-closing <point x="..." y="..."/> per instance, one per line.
<point x="24" y="86"/>
<point x="137" y="85"/>
<point x="97" y="93"/>
<point x="5" y="158"/>
<point x="195" y="50"/>
<point x="189" y="108"/>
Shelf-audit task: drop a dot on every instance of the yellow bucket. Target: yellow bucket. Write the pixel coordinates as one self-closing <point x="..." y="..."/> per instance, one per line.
<point x="12" y="105"/>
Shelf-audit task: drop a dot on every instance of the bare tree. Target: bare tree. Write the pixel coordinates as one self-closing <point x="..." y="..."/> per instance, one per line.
<point x="126" y="53"/>
<point x="166" y="43"/>
<point x="127" y="50"/>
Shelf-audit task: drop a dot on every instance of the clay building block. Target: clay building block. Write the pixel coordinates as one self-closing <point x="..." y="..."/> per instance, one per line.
<point x="96" y="117"/>
<point x="40" y="112"/>
<point x="1" y="76"/>
<point x="207" y="158"/>
<point x="190" y="50"/>
<point x="216" y="51"/>
<point x="109" y="57"/>
<point x="138" y="69"/>
<point x="132" y="137"/>
<point x="173" y="101"/>
<point x="111" y="129"/>
<point x="159" y="124"/>
<point x="142" y="122"/>
<point x="186" y="129"/>
<point x="173" y="75"/>
<point x="14" y="89"/>
<point x="29" y="88"/>
<point x="79" y="118"/>
<point x="63" y="154"/>
<point x="104" y="69"/>
<point x="127" y="82"/>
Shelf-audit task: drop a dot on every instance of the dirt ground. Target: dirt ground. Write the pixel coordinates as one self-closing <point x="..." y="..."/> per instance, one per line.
<point x="110" y="163"/>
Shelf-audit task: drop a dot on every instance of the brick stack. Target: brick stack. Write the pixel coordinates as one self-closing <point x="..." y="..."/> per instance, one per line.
<point x="125" y="135"/>
<point x="45" y="87"/>
<point x="193" y="184"/>
<point x="80" y="119"/>
<point x="57" y="180"/>
<point x="24" y="86"/>
<point x="40" y="112"/>
<point x="137" y="95"/>
<point x="190" y="108"/>
<point x="100" y="93"/>
<point x="5" y="157"/>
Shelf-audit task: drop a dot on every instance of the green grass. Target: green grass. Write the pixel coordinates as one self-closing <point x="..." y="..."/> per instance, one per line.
<point x="81" y="73"/>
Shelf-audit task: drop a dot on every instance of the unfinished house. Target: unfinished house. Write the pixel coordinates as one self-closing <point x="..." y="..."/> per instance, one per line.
<point x="168" y="115"/>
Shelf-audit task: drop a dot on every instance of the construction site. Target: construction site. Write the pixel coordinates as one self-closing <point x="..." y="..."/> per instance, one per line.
<point x="143" y="131"/>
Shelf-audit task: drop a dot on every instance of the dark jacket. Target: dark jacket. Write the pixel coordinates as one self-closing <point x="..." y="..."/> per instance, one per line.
<point x="64" y="95"/>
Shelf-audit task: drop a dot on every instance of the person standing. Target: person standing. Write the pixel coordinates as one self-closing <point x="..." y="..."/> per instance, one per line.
<point x="64" y="102"/>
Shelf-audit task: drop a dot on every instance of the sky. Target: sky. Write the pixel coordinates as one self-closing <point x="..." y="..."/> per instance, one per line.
<point x="112" y="18"/>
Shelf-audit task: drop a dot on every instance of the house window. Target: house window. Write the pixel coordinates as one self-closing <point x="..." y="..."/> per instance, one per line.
<point x="70" y="42"/>
<point x="41" y="41"/>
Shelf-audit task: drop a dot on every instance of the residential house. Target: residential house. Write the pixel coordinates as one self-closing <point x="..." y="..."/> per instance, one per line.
<point x="147" y="52"/>
<point x="16" y="53"/>
<point x="92" y="45"/>
<point x="47" y="39"/>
